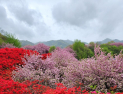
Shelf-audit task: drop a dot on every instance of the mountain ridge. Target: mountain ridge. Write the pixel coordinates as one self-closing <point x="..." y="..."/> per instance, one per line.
<point x="65" y="43"/>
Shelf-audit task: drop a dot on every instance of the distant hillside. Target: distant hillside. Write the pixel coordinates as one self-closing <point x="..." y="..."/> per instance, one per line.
<point x="108" y="40"/>
<point x="65" y="43"/>
<point x="69" y="41"/>
<point x="58" y="43"/>
<point x="25" y="42"/>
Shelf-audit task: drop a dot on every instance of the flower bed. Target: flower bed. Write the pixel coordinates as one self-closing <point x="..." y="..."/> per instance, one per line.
<point x="11" y="59"/>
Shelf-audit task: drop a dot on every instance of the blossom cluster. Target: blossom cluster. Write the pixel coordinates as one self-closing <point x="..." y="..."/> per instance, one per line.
<point x="7" y="45"/>
<point x="44" y="56"/>
<point x="117" y="44"/>
<point x="41" y="48"/>
<point x="10" y="86"/>
<point x="101" y="70"/>
<point x="28" y="72"/>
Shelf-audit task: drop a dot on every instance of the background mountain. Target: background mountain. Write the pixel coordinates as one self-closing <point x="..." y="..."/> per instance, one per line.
<point x="57" y="43"/>
<point x="108" y="40"/>
<point x="65" y="43"/>
<point x="103" y="41"/>
<point x="26" y="42"/>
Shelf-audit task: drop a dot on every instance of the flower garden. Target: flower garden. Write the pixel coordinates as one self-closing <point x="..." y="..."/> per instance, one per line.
<point x="31" y="70"/>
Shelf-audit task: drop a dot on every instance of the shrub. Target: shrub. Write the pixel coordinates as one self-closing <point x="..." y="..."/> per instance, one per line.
<point x="62" y="59"/>
<point x="11" y="87"/>
<point x="114" y="50"/>
<point x="61" y="89"/>
<point x="9" y="58"/>
<point x="41" y="48"/>
<point x="44" y="56"/>
<point x="117" y="44"/>
<point x="36" y="69"/>
<point x="70" y="50"/>
<point x="7" y="45"/>
<point x="26" y="87"/>
<point x="50" y="70"/>
<point x="103" y="71"/>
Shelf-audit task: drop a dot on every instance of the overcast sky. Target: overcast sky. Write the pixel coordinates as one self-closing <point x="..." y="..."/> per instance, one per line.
<point x="44" y="20"/>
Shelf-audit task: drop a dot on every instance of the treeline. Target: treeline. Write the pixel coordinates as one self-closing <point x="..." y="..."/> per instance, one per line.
<point x="87" y="51"/>
<point x="81" y="50"/>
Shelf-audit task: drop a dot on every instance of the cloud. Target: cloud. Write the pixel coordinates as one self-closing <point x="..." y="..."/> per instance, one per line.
<point x="104" y="17"/>
<point x="2" y="13"/>
<point x="75" y="12"/>
<point x="18" y="19"/>
<point x="22" y="13"/>
<point x="110" y="15"/>
<point x="43" y="20"/>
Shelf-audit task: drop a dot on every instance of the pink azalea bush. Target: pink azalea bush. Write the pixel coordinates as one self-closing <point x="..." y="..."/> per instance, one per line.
<point x="36" y="69"/>
<point x="7" y="45"/>
<point x="41" y="48"/>
<point x="101" y="70"/>
<point x="51" y="69"/>
<point x="70" y="50"/>
<point x="117" y="44"/>
<point x="62" y="58"/>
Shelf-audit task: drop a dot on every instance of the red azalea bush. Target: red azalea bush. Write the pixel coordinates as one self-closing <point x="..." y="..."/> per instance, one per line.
<point x="35" y="87"/>
<point x="27" y="87"/>
<point x="11" y="57"/>
<point x="44" y="56"/>
<point x="61" y="89"/>
<point x="11" y="87"/>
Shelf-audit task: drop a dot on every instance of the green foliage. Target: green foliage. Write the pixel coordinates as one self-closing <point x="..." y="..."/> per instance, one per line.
<point x="81" y="50"/>
<point x="12" y="40"/>
<point x="52" y="48"/>
<point x="110" y="42"/>
<point x="114" y="50"/>
<point x="2" y="39"/>
<point x="91" y="46"/>
<point x="93" y="86"/>
<point x="106" y="50"/>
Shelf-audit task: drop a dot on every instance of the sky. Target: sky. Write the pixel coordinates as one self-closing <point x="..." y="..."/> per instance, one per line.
<point x="45" y="20"/>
